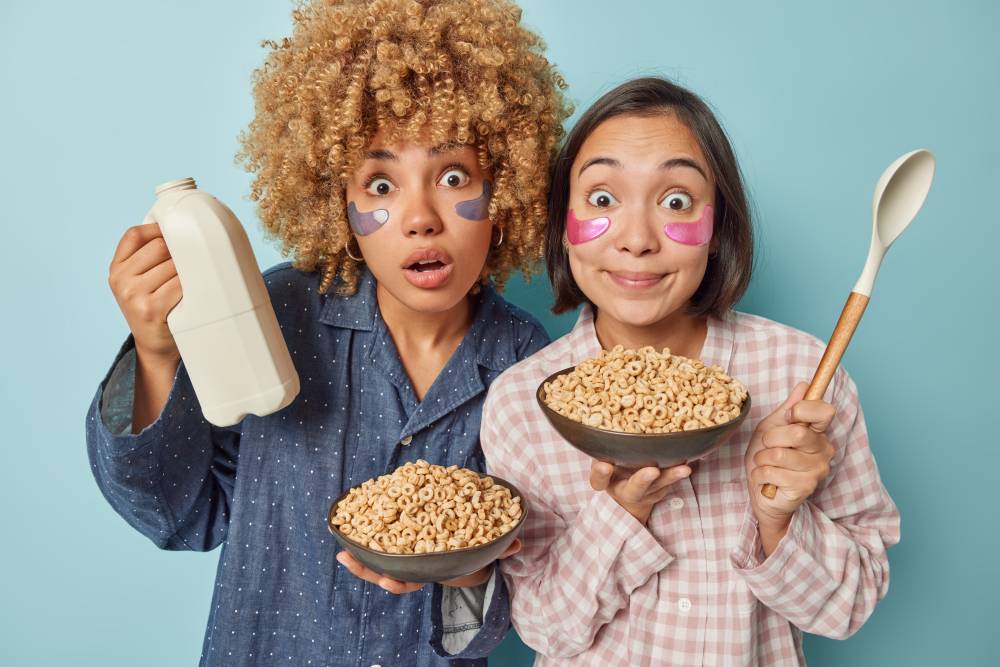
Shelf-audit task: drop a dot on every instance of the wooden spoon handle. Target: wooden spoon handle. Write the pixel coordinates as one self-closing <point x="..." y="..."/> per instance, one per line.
<point x="841" y="336"/>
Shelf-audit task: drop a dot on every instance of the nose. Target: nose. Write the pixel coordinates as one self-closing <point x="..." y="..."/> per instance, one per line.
<point x="636" y="233"/>
<point x="420" y="218"/>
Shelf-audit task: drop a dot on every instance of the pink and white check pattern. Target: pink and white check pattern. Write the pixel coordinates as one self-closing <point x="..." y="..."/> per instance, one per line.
<point x="592" y="586"/>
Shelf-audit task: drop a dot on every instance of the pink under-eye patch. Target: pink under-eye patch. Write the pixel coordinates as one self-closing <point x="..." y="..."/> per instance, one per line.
<point x="580" y="231"/>
<point x="697" y="233"/>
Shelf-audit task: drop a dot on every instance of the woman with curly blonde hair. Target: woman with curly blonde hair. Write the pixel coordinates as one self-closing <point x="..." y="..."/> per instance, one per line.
<point x="400" y="152"/>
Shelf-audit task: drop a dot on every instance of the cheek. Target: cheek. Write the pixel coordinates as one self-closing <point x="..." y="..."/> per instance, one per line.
<point x="581" y="231"/>
<point x="478" y="208"/>
<point x="366" y="222"/>
<point x="470" y="244"/>
<point x="697" y="233"/>
<point x="586" y="270"/>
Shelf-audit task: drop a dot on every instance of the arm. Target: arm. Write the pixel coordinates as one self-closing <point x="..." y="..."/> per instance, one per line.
<point x="173" y="480"/>
<point x="830" y="568"/>
<point x="575" y="572"/>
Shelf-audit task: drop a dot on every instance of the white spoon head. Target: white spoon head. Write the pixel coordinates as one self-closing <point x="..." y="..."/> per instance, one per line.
<point x="899" y="194"/>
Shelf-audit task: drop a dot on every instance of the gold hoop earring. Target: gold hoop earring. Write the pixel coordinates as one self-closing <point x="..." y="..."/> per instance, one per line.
<point x="347" y="249"/>
<point x="500" y="240"/>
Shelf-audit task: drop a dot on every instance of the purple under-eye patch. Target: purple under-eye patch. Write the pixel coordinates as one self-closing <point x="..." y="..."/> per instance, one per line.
<point x="580" y="231"/>
<point x="478" y="208"/>
<point x="364" y="223"/>
<point x="697" y="232"/>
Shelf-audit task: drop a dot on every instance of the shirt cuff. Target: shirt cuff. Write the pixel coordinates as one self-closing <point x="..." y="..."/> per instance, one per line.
<point x="470" y="622"/>
<point x="766" y="572"/>
<point x="637" y="553"/>
<point x="114" y="402"/>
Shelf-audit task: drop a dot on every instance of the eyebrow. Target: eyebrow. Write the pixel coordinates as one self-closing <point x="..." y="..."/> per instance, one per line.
<point x="380" y="154"/>
<point x="684" y="162"/>
<point x="610" y="162"/>
<point x="668" y="164"/>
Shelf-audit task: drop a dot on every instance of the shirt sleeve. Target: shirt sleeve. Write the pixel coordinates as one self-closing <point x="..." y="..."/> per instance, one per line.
<point x="470" y="622"/>
<point x="575" y="572"/>
<point x="830" y="569"/>
<point x="173" y="481"/>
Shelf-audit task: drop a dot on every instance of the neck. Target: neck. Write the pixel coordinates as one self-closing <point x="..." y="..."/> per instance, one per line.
<point x="412" y="328"/>
<point x="684" y="334"/>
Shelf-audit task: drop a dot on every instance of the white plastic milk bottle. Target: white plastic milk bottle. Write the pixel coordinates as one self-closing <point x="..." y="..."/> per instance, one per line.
<point x="224" y="325"/>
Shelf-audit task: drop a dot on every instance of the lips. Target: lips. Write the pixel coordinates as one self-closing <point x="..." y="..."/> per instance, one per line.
<point x="636" y="279"/>
<point x="428" y="268"/>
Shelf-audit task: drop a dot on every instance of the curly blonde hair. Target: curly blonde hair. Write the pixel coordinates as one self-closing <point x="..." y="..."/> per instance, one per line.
<point x="460" y="71"/>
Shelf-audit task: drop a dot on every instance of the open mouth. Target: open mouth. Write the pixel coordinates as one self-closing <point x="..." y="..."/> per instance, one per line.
<point x="429" y="265"/>
<point x="428" y="268"/>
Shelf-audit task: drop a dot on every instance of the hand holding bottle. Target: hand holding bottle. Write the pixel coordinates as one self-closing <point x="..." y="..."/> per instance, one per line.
<point x="145" y="284"/>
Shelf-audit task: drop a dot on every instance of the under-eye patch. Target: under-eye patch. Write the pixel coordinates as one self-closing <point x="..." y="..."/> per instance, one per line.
<point x="580" y="231"/>
<point x="478" y="208"/>
<point x="364" y="223"/>
<point x="697" y="232"/>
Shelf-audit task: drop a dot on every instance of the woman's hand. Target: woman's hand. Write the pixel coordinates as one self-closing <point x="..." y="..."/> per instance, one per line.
<point x="788" y="449"/>
<point x="145" y="284"/>
<point x="354" y="566"/>
<point x="635" y="490"/>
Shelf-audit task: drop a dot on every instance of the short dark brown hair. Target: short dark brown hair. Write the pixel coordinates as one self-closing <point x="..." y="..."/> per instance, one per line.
<point x="730" y="266"/>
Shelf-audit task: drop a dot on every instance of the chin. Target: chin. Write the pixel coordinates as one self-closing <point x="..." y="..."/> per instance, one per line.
<point x="639" y="313"/>
<point x="439" y="300"/>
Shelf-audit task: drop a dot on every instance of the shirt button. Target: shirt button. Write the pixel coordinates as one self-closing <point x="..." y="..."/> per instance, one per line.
<point x="676" y="503"/>
<point x="684" y="605"/>
<point x="407" y="440"/>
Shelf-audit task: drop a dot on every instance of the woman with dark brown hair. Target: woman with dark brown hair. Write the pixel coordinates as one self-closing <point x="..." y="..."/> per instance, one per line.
<point x="649" y="229"/>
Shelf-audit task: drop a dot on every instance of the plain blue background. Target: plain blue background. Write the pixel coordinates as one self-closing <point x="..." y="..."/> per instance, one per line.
<point x="100" y="101"/>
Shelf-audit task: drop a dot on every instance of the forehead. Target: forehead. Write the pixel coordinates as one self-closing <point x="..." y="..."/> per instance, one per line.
<point x="641" y="141"/>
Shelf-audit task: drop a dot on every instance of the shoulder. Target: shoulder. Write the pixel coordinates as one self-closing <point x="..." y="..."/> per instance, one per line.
<point x="284" y="279"/>
<point x="294" y="294"/>
<point x="768" y="352"/>
<point x="519" y="382"/>
<point x="750" y="328"/>
<point x="525" y="333"/>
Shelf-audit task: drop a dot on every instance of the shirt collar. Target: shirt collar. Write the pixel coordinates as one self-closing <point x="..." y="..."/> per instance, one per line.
<point x="491" y="343"/>
<point x="717" y="349"/>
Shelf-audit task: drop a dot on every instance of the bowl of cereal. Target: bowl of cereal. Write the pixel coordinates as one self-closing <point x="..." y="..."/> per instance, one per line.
<point x="427" y="523"/>
<point x="637" y="408"/>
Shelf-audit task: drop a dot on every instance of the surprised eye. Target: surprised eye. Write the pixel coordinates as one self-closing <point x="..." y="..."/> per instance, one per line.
<point x="677" y="201"/>
<point x="379" y="187"/>
<point x="454" y="178"/>
<point x="601" y="199"/>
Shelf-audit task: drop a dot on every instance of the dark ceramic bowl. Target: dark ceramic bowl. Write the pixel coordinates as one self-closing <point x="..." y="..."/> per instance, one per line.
<point x="638" y="450"/>
<point x="431" y="567"/>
